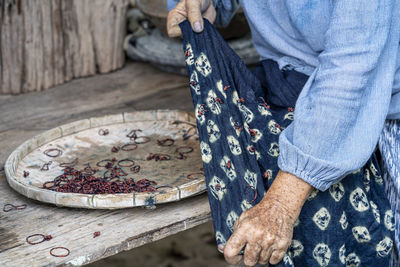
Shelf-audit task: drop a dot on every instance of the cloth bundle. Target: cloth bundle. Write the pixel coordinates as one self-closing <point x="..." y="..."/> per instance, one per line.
<point x="240" y="115"/>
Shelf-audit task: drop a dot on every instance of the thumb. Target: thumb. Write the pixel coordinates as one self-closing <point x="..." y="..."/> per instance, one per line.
<point x="193" y="8"/>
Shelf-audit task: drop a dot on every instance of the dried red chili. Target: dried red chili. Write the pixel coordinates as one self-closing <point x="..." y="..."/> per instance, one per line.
<point x="96" y="234"/>
<point x="166" y="142"/>
<point x="132" y="134"/>
<point x="75" y="181"/>
<point x="69" y="164"/>
<point x="26" y="174"/>
<point x="129" y="147"/>
<point x="158" y="157"/>
<point x="191" y="176"/>
<point x="104" y="132"/>
<point x="135" y="169"/>
<point x="44" y="238"/>
<point x="115" y="149"/>
<point x="45" y="166"/>
<point x="9" y="207"/>
<point x="59" y="255"/>
<point x="126" y="163"/>
<point x="188" y="149"/>
<point x="50" y="152"/>
<point x="146" y="139"/>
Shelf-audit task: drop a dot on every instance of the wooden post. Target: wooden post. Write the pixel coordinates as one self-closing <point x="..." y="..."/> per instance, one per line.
<point x="49" y="42"/>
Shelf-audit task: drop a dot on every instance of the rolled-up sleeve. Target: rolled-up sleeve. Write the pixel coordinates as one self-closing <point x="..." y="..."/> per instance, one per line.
<point x="225" y="10"/>
<point x="342" y="108"/>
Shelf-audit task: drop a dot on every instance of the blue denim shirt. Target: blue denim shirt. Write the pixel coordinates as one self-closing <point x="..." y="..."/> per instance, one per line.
<point x="350" y="50"/>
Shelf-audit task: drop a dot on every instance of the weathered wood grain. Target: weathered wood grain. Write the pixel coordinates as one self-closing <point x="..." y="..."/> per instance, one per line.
<point x="73" y="228"/>
<point x="138" y="86"/>
<point x="48" y="42"/>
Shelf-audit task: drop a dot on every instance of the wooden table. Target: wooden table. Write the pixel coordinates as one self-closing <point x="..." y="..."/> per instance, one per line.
<point x="137" y="86"/>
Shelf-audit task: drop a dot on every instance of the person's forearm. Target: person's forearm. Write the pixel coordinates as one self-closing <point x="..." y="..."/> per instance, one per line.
<point x="290" y="191"/>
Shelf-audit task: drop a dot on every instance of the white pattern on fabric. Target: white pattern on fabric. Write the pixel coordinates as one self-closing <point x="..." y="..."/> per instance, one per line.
<point x="389" y="220"/>
<point x="342" y="254"/>
<point x="231" y="219"/>
<point x="245" y="205"/>
<point x="205" y="150"/>
<point x="296" y="248"/>
<point x="384" y="247"/>
<point x="274" y="149"/>
<point x="273" y="127"/>
<point x="378" y="178"/>
<point x="352" y="260"/>
<point x="322" y="254"/>
<point x="203" y="65"/>
<point x="343" y="221"/>
<point x="313" y="194"/>
<point x="252" y="151"/>
<point x="321" y="218"/>
<point x="375" y="211"/>
<point x="337" y="191"/>
<point x="237" y="130"/>
<point x="200" y="114"/>
<point x="255" y="134"/>
<point x="358" y="200"/>
<point x="213" y="131"/>
<point x="361" y="234"/>
<point x="251" y="178"/>
<point x="194" y="82"/>
<point x="264" y="111"/>
<point x="214" y="106"/>
<point x="247" y="113"/>
<point x="367" y="180"/>
<point x="234" y="145"/>
<point x="289" y="116"/>
<point x="220" y="88"/>
<point x="217" y="188"/>
<point x="220" y="237"/>
<point x="228" y="167"/>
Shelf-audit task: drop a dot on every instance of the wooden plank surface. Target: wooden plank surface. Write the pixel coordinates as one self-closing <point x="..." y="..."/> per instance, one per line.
<point x="48" y="42"/>
<point x="138" y="86"/>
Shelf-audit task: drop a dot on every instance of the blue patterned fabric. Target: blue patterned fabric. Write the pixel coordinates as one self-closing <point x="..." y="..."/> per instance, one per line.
<point x="389" y="146"/>
<point x="350" y="224"/>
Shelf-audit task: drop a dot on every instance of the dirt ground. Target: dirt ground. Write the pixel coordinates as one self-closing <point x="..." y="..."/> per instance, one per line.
<point x="194" y="247"/>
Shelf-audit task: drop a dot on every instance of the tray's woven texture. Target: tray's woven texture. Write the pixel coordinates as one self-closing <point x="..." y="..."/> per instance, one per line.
<point x="81" y="140"/>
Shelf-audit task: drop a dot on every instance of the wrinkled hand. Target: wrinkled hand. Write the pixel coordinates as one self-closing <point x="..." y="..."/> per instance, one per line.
<point x="266" y="229"/>
<point x="194" y="11"/>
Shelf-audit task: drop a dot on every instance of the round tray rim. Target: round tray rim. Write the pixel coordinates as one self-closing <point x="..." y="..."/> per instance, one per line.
<point x="100" y="201"/>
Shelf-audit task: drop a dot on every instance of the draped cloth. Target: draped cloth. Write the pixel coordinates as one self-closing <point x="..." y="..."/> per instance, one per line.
<point x="240" y="115"/>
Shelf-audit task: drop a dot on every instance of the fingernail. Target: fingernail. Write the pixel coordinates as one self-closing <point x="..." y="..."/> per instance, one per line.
<point x="197" y="27"/>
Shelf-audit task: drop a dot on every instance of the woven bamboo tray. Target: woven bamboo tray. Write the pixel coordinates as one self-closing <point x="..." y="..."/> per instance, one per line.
<point x="81" y="140"/>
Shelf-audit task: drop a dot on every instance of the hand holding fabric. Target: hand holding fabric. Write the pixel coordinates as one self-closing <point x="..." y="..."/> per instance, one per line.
<point x="194" y="11"/>
<point x="266" y="229"/>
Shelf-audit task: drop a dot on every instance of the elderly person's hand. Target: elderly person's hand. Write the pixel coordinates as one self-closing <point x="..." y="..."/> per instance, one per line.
<point x="194" y="11"/>
<point x="266" y="229"/>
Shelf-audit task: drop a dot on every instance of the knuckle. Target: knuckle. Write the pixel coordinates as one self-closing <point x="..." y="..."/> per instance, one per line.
<point x="282" y="244"/>
<point x="268" y="240"/>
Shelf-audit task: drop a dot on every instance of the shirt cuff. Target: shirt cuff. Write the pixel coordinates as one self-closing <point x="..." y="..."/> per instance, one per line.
<point x="320" y="174"/>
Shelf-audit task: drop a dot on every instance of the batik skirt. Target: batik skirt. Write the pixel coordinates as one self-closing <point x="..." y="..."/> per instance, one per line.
<point x="240" y="114"/>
